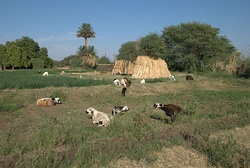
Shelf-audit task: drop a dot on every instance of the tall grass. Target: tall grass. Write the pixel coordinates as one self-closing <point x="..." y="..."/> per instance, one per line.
<point x="31" y="80"/>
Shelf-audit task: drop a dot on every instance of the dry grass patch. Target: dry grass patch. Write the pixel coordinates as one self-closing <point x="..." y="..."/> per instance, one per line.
<point x="177" y="157"/>
<point x="240" y="135"/>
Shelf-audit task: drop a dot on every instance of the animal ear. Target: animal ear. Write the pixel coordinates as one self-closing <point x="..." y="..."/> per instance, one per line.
<point x="53" y="99"/>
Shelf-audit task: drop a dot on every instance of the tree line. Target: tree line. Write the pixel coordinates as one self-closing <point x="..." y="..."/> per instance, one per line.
<point x="190" y="46"/>
<point x="186" y="46"/>
<point x="24" y="53"/>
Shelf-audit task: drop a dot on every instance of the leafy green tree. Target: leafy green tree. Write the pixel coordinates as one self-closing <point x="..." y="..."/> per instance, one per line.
<point x="195" y="45"/>
<point x="152" y="45"/>
<point x="104" y="60"/>
<point x="13" y="53"/>
<point x="86" y="32"/>
<point x="29" y="49"/>
<point x="128" y="51"/>
<point x="2" y="54"/>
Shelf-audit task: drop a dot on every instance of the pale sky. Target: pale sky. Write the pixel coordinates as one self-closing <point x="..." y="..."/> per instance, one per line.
<point x="54" y="23"/>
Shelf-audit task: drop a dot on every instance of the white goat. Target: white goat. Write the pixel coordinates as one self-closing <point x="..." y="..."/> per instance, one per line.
<point x="143" y="81"/>
<point x="45" y="74"/>
<point x="171" y="77"/>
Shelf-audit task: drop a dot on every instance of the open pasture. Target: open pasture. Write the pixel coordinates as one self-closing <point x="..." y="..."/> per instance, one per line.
<point x="216" y="107"/>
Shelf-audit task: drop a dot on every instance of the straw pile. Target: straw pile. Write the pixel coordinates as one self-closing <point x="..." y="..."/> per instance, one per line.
<point x="147" y="67"/>
<point x="123" y="67"/>
<point x="144" y="67"/>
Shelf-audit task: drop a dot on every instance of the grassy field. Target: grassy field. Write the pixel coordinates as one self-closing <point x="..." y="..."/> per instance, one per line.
<point x="211" y="131"/>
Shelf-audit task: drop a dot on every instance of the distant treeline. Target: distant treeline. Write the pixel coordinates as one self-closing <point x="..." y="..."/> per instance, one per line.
<point x="24" y="53"/>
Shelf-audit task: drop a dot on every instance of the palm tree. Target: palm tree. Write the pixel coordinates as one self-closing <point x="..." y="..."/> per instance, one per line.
<point x="86" y="31"/>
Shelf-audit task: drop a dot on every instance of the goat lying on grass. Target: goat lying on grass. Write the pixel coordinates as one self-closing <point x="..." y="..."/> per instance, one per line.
<point x="48" y="101"/>
<point x="170" y="110"/>
<point x="119" y="110"/>
<point x="99" y="118"/>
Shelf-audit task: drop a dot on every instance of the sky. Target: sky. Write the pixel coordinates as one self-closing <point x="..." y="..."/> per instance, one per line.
<point x="54" y="23"/>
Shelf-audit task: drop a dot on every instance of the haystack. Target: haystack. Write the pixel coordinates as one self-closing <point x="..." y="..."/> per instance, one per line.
<point x="123" y="67"/>
<point x="147" y="67"/>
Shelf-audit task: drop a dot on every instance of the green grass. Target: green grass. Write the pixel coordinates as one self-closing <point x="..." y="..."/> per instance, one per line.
<point x="24" y="79"/>
<point x="64" y="136"/>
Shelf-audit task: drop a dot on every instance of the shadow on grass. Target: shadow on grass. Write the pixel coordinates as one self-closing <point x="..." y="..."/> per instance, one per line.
<point x="164" y="120"/>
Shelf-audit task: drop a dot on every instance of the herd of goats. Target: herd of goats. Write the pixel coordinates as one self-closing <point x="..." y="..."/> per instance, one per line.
<point x="103" y="119"/>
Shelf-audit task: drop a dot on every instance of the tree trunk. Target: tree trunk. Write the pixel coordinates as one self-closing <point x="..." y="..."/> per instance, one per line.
<point x="86" y="43"/>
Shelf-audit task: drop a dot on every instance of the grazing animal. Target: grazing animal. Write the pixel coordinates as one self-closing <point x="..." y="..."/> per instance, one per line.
<point x="171" y="77"/>
<point x="119" y="110"/>
<point x="189" y="77"/>
<point x="170" y="110"/>
<point x="123" y="91"/>
<point x="117" y="82"/>
<point x="45" y="74"/>
<point x="63" y="73"/>
<point x="143" y="81"/>
<point x="126" y="83"/>
<point x="48" y="101"/>
<point x="98" y="117"/>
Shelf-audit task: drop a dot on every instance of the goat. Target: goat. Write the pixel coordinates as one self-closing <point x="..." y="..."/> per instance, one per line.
<point x="143" y="81"/>
<point x="48" y="101"/>
<point x="119" y="110"/>
<point x="123" y="91"/>
<point x="126" y="83"/>
<point x="189" y="77"/>
<point x="170" y="110"/>
<point x="117" y="82"/>
<point x="171" y="77"/>
<point x="98" y="117"/>
<point x="45" y="74"/>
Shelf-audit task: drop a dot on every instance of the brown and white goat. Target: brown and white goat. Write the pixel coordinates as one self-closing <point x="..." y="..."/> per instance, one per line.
<point x="48" y="101"/>
<point x="126" y="83"/>
<point x="119" y="110"/>
<point x="170" y="110"/>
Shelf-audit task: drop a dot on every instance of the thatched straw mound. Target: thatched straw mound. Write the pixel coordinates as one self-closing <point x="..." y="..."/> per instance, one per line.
<point x="144" y="67"/>
<point x="123" y="67"/>
<point x="147" y="67"/>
